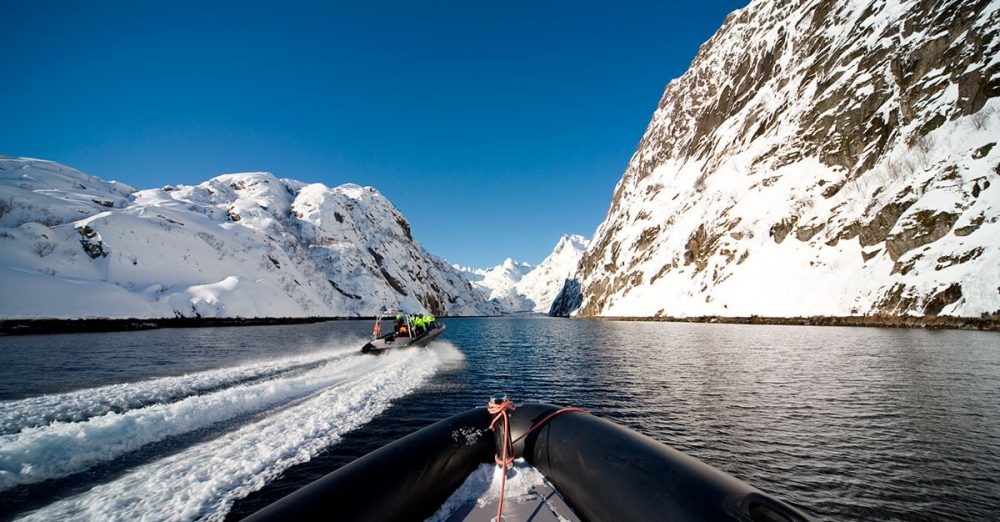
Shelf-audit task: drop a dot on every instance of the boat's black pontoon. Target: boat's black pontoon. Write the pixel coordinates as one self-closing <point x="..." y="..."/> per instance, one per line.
<point x="602" y="470"/>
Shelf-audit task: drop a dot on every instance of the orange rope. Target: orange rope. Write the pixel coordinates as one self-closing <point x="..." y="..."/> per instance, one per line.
<point x="546" y="419"/>
<point x="499" y="411"/>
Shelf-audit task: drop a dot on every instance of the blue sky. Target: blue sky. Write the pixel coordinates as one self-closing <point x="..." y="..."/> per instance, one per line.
<point x="494" y="127"/>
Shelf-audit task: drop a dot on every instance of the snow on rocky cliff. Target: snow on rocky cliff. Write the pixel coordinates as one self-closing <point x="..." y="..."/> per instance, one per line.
<point x="519" y="287"/>
<point x="238" y="245"/>
<point x="819" y="157"/>
<point x="545" y="281"/>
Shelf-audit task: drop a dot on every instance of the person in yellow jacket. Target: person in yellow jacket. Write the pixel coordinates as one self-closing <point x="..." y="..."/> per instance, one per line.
<point x="415" y="320"/>
<point x="422" y="323"/>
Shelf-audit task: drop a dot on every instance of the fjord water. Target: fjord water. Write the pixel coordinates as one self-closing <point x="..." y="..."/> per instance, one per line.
<point x="846" y="423"/>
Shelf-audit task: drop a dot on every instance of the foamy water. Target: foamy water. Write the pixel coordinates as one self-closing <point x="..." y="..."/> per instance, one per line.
<point x="84" y="404"/>
<point x="483" y="487"/>
<point x="273" y="414"/>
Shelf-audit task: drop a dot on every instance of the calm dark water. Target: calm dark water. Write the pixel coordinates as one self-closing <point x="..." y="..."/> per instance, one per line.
<point x="845" y="423"/>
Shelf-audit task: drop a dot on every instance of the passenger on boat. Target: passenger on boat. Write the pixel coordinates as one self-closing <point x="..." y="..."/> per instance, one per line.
<point x="400" y="326"/>
<point x="422" y="323"/>
<point x="419" y="324"/>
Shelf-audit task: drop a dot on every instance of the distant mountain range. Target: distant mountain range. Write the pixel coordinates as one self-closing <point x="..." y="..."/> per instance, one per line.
<point x="521" y="288"/>
<point x="244" y="245"/>
<point x="819" y="158"/>
<point x="238" y="245"/>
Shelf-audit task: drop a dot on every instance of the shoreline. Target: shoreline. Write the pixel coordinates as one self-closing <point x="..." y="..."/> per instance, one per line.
<point x="49" y="326"/>
<point x="92" y="325"/>
<point x="60" y="326"/>
<point x="984" y="324"/>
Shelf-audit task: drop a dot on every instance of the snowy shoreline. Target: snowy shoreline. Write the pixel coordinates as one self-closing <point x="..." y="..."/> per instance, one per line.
<point x="987" y="324"/>
<point x="59" y="326"/>
<point x="43" y="326"/>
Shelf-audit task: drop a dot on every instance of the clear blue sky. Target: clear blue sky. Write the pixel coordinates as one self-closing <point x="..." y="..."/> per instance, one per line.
<point x="495" y="127"/>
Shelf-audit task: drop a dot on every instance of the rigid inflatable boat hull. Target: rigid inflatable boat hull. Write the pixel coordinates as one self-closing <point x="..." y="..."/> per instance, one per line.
<point x="604" y="472"/>
<point x="409" y="478"/>
<point x="379" y="346"/>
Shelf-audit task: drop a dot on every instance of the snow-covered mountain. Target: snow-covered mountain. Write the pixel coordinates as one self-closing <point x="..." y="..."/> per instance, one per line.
<point x="819" y="157"/>
<point x="520" y="287"/>
<point x="470" y="273"/>
<point x="545" y="281"/>
<point x="498" y="284"/>
<point x="238" y="245"/>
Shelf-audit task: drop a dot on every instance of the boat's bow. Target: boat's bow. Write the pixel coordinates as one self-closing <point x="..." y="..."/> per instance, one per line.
<point x="603" y="470"/>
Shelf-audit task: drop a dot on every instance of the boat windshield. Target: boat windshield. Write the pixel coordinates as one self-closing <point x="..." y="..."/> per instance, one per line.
<point x="402" y="323"/>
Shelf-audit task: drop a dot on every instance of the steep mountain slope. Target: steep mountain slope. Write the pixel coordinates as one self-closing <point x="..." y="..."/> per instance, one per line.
<point x="238" y="245"/>
<point x="818" y="158"/>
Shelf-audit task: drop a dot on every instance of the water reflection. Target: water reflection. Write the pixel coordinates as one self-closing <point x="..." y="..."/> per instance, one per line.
<point x="848" y="423"/>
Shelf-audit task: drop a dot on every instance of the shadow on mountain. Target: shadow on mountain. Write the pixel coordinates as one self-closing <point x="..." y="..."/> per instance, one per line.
<point x="568" y="300"/>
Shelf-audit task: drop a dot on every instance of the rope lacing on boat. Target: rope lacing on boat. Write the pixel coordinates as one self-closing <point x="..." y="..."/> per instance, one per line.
<point x="499" y="409"/>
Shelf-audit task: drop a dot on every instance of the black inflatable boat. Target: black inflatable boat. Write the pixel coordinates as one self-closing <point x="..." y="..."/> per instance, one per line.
<point x="603" y="471"/>
<point x="401" y="329"/>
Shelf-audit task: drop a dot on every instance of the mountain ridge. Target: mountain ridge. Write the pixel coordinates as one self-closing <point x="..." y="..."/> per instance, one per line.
<point x="818" y="159"/>
<point x="245" y="245"/>
<point x="519" y="287"/>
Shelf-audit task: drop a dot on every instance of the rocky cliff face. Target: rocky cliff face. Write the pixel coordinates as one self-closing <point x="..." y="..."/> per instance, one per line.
<point x="238" y="245"/>
<point x="818" y="158"/>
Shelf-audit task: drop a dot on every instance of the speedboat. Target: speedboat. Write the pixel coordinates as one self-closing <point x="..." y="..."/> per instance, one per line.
<point x="593" y="469"/>
<point x="395" y="328"/>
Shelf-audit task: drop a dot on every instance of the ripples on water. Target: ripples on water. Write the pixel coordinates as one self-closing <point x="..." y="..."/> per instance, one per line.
<point x="846" y="423"/>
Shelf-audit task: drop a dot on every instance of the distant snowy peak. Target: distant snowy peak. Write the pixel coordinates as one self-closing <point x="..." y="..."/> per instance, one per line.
<point x="237" y="245"/>
<point x="819" y="157"/>
<point x="506" y="273"/>
<point x="519" y="287"/>
<point x="571" y="245"/>
<point x="497" y="284"/>
<point x="472" y="274"/>
<point x="543" y="284"/>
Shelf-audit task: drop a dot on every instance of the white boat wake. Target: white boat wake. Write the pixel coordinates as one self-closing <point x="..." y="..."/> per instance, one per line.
<point x="81" y="405"/>
<point x="296" y="413"/>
